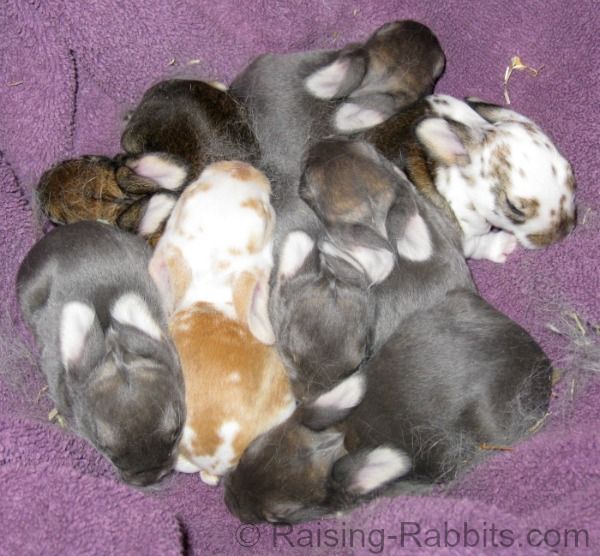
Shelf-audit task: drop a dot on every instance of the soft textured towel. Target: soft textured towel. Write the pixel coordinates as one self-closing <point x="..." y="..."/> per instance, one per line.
<point x="70" y="70"/>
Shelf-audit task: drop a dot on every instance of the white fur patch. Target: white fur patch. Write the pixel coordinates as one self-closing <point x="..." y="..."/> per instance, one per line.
<point x="132" y="310"/>
<point x="441" y="142"/>
<point x="234" y="377"/>
<point x="75" y="323"/>
<point x="218" y="85"/>
<point x="353" y="117"/>
<point x="415" y="244"/>
<point x="296" y="248"/>
<point x="211" y="465"/>
<point x="382" y="465"/>
<point x="158" y="210"/>
<point x="346" y="395"/>
<point x="161" y="170"/>
<point x="376" y="263"/>
<point x="326" y="82"/>
<point x="495" y="246"/>
<point x="447" y="106"/>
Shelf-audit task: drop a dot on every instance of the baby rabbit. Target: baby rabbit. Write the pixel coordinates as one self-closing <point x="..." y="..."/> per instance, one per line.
<point x="212" y="265"/>
<point x="319" y="305"/>
<point x="492" y="167"/>
<point x="189" y="123"/>
<point x="101" y="188"/>
<point x="296" y="99"/>
<point x="179" y="128"/>
<point x="451" y="379"/>
<point x="112" y="371"/>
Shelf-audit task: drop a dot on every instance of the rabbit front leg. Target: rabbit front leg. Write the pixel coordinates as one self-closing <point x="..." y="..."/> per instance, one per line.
<point x="493" y="246"/>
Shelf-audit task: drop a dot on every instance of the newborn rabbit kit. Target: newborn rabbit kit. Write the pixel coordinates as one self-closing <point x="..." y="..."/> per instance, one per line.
<point x="112" y="370"/>
<point x="275" y="291"/>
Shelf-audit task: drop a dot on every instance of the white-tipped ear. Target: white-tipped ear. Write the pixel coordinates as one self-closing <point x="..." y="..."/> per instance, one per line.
<point x="160" y="168"/>
<point x="130" y="309"/>
<point x="76" y="322"/>
<point x="375" y="263"/>
<point x="259" y="322"/>
<point x="352" y="117"/>
<point x="346" y="395"/>
<point x="157" y="211"/>
<point x="326" y="82"/>
<point x="159" y="272"/>
<point x="415" y="244"/>
<point x="441" y="142"/>
<point x="382" y="465"/>
<point x="296" y="248"/>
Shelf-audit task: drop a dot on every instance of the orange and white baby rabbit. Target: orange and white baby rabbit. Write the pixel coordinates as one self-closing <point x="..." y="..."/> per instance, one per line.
<point x="212" y="267"/>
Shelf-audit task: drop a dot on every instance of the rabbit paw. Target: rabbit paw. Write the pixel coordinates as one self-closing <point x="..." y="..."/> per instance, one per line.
<point x="495" y="246"/>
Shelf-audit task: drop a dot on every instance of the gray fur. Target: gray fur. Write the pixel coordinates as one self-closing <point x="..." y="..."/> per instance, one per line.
<point x="124" y="392"/>
<point x="417" y="285"/>
<point x="399" y="63"/>
<point x="453" y="377"/>
<point x="310" y="310"/>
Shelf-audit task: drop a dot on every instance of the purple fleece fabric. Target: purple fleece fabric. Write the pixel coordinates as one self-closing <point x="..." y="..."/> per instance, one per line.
<point x="70" y="70"/>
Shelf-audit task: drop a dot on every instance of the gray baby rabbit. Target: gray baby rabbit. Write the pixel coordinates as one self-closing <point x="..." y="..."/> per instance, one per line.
<point x="450" y="380"/>
<point x="319" y="307"/>
<point x="298" y="98"/>
<point x="112" y="371"/>
<point x="429" y="261"/>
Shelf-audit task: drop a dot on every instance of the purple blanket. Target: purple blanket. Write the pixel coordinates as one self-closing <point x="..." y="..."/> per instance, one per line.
<point x="70" y="70"/>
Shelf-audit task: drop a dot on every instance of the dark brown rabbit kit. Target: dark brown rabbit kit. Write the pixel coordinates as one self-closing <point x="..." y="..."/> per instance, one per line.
<point x="193" y="121"/>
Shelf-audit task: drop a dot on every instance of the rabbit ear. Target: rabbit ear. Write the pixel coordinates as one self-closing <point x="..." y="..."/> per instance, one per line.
<point x="364" y="111"/>
<point x="171" y="275"/>
<point x="356" y="116"/>
<point x="362" y="472"/>
<point x="169" y="171"/>
<point x="157" y="211"/>
<point x="376" y="263"/>
<point x="130" y="309"/>
<point x="339" y="78"/>
<point x="415" y="242"/>
<point x="81" y="337"/>
<point x="445" y="140"/>
<point x="336" y="404"/>
<point x="297" y="246"/>
<point x="251" y="302"/>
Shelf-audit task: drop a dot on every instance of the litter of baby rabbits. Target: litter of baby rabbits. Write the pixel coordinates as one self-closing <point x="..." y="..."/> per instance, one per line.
<point x="278" y="294"/>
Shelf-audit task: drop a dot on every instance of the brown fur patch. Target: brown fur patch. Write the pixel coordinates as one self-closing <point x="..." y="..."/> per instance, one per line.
<point x="571" y="184"/>
<point x="211" y="347"/>
<point x="243" y="288"/>
<point x="234" y="251"/>
<point x="243" y="171"/>
<point x="180" y="274"/>
<point x="500" y="169"/>
<point x="84" y="189"/>
<point x="254" y="244"/>
<point x="558" y="231"/>
<point x="530" y="207"/>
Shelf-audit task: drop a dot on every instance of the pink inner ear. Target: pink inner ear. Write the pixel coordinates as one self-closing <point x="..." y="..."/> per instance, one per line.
<point x="326" y="82"/>
<point x="159" y="272"/>
<point x="161" y="170"/>
<point x="258" y="313"/>
<point x="441" y="142"/>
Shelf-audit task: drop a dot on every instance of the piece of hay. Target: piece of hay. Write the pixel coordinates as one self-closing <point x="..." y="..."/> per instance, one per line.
<point x="517" y="64"/>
